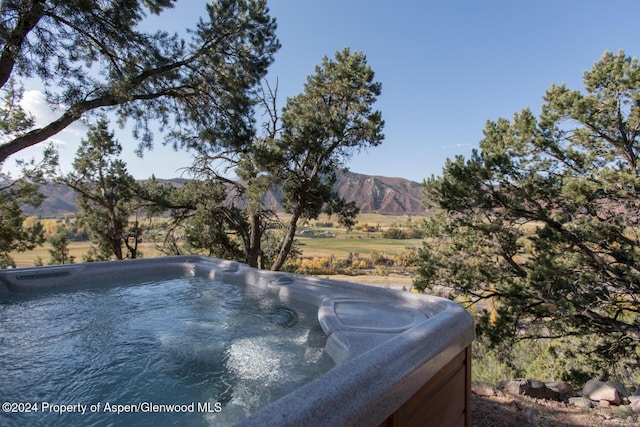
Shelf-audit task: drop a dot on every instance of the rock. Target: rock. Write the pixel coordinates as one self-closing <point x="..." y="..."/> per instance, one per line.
<point x="565" y="390"/>
<point x="540" y="391"/>
<point x="598" y="390"/>
<point x="482" y="388"/>
<point x="515" y="387"/>
<point x="604" y="404"/>
<point x="529" y="387"/>
<point x="580" y="402"/>
<point x="590" y="386"/>
<point x="622" y="390"/>
<point x="633" y="398"/>
<point x="635" y="406"/>
<point x="623" y="411"/>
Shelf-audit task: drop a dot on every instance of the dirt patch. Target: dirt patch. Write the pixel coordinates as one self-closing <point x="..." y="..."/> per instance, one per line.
<point x="507" y="410"/>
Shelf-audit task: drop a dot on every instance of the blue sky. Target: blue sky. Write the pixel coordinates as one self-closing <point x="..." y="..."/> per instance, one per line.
<point x="446" y="67"/>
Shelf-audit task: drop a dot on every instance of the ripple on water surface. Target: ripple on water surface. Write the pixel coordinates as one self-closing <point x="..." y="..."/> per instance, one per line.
<point x="173" y="342"/>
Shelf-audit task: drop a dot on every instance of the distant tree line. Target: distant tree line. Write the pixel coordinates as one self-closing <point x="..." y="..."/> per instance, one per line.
<point x="400" y="233"/>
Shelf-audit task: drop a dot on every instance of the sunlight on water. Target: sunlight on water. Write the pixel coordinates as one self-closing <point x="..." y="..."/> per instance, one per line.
<point x="216" y="349"/>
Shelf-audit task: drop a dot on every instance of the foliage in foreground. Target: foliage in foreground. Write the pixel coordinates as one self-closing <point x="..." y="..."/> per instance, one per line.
<point x="543" y="220"/>
<point x="559" y="359"/>
<point x="95" y="56"/>
<point x="16" y="234"/>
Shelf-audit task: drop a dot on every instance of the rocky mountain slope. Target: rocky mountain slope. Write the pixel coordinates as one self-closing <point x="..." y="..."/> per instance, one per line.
<point x="381" y="194"/>
<point x="377" y="194"/>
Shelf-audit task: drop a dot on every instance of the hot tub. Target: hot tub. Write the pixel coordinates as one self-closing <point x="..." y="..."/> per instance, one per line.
<point x="398" y="358"/>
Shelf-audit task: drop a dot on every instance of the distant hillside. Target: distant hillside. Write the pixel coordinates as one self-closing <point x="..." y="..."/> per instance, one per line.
<point x="381" y="194"/>
<point x="377" y="194"/>
<point x="60" y="200"/>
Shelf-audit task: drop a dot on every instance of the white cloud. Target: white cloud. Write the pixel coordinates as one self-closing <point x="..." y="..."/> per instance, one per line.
<point x="65" y="141"/>
<point x="59" y="143"/>
<point x="162" y="161"/>
<point x="35" y="102"/>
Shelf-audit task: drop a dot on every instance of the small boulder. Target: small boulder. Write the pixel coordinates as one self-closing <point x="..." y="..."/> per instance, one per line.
<point x="482" y="388"/>
<point x="622" y="390"/>
<point x="604" y="404"/>
<point x="539" y="390"/>
<point x="635" y="406"/>
<point x="598" y="390"/>
<point x="565" y="390"/>
<point x="515" y="387"/>
<point x="580" y="402"/>
<point x="529" y="387"/>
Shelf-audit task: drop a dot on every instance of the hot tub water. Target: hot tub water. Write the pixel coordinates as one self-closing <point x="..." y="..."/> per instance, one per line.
<point x="225" y="348"/>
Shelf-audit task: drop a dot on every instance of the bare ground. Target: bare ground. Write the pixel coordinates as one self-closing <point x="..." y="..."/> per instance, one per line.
<point x="507" y="410"/>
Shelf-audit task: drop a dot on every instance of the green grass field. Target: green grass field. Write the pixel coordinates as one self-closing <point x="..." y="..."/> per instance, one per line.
<point x="359" y="242"/>
<point x="355" y="242"/>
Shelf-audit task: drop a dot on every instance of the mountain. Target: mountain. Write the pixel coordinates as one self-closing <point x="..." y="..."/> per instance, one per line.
<point x="377" y="194"/>
<point x="381" y="194"/>
<point x="60" y="200"/>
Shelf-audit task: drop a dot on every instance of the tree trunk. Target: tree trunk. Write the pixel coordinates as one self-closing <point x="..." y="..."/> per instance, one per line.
<point x="13" y="41"/>
<point x="41" y="134"/>
<point x="254" y="258"/>
<point x="135" y="235"/>
<point x="76" y="111"/>
<point x="287" y="243"/>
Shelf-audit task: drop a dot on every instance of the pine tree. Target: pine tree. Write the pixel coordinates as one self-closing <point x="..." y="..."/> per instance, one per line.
<point x="543" y="220"/>
<point x="105" y="192"/>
